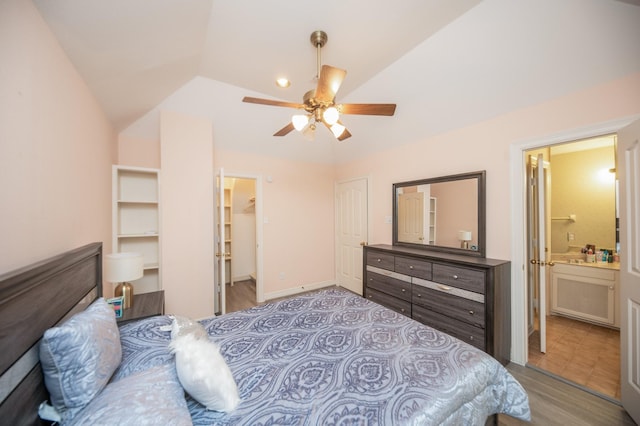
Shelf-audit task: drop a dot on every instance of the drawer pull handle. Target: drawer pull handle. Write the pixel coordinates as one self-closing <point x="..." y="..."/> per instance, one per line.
<point x="410" y="266"/>
<point x="455" y="277"/>
<point x="379" y="260"/>
<point x="471" y="312"/>
<point x="403" y="290"/>
<point x="370" y="279"/>
<point x="444" y="287"/>
<point x="369" y="296"/>
<point x="402" y="309"/>
<point x="419" y="295"/>
<point x="470" y="337"/>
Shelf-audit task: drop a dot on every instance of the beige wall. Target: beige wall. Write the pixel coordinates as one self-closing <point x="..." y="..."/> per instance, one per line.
<point x="298" y="210"/>
<point x="486" y="146"/>
<point x="581" y="185"/>
<point x="187" y="203"/>
<point x="56" y="146"/>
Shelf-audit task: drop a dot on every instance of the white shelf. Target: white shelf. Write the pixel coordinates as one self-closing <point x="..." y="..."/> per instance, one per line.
<point x="136" y="220"/>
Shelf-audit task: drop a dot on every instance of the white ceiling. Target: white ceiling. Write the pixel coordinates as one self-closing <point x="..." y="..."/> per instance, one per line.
<point x="446" y="63"/>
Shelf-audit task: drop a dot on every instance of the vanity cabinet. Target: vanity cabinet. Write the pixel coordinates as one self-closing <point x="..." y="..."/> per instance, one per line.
<point x="586" y="292"/>
<point x="466" y="297"/>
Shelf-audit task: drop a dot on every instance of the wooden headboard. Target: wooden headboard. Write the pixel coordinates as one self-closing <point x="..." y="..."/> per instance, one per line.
<point x="33" y="299"/>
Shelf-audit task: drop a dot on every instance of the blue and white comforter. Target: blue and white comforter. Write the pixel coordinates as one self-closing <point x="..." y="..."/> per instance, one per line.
<point x="335" y="358"/>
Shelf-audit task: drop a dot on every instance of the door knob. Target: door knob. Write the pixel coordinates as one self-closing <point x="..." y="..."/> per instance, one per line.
<point x="533" y="261"/>
<point x="363" y="243"/>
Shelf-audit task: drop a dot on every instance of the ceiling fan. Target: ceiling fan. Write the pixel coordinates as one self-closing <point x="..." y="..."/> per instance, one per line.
<point x="319" y="104"/>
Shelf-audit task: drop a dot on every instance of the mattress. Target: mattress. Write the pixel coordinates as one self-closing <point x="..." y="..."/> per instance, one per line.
<point x="334" y="358"/>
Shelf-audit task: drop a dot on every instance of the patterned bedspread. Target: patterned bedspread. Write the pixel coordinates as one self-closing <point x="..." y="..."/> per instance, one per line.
<point x="334" y="358"/>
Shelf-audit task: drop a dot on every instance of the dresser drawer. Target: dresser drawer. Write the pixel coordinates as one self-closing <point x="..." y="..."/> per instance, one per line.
<point x="413" y="267"/>
<point x="381" y="260"/>
<point x="456" y="307"/>
<point x="401" y="306"/>
<point x="468" y="279"/>
<point x="389" y="285"/>
<point x="463" y="331"/>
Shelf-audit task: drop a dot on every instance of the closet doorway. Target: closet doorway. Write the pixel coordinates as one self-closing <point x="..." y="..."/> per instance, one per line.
<point x="243" y="230"/>
<point x="573" y="313"/>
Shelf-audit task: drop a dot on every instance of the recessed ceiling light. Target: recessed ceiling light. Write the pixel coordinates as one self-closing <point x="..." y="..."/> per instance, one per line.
<point x="283" y="82"/>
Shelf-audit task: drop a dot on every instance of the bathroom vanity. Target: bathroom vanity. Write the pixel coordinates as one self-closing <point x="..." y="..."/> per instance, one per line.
<point x="586" y="291"/>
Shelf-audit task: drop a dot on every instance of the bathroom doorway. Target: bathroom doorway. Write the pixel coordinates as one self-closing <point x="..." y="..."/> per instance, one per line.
<point x="572" y="298"/>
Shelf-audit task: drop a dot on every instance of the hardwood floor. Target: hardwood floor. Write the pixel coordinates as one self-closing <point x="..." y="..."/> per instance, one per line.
<point x="242" y="295"/>
<point x="583" y="353"/>
<point x="552" y="401"/>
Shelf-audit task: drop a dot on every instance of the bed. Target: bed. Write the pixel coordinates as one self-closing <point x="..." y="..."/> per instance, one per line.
<point x="327" y="357"/>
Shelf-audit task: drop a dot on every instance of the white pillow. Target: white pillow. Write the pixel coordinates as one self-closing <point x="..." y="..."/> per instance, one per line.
<point x="202" y="370"/>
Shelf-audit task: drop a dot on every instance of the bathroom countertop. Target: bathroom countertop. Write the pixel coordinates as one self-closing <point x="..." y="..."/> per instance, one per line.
<point x="601" y="265"/>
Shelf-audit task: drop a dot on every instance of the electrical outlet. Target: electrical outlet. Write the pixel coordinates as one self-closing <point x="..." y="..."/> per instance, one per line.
<point x="282" y="275"/>
<point x="571" y="236"/>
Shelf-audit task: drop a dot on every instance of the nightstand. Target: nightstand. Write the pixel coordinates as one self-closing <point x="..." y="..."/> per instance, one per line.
<point x="145" y="305"/>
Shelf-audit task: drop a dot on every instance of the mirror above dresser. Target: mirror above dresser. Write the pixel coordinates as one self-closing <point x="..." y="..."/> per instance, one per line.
<point x="445" y="213"/>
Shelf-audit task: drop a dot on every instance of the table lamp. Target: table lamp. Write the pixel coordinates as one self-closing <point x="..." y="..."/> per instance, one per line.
<point x="464" y="237"/>
<point x="121" y="268"/>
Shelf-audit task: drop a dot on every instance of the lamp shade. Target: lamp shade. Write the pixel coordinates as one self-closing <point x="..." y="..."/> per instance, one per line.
<point x="121" y="267"/>
<point x="464" y="235"/>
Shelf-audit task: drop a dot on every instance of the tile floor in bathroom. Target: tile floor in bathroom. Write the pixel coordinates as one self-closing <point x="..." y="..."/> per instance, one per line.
<point x="583" y="353"/>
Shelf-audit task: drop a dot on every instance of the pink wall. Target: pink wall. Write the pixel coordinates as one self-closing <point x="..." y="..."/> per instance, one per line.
<point x="138" y="152"/>
<point x="187" y="203"/>
<point x="486" y="146"/>
<point x="56" y="146"/>
<point x="299" y="207"/>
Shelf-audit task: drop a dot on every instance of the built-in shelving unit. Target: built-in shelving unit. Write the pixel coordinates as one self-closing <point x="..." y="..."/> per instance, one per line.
<point x="228" y="219"/>
<point x="136" y="220"/>
<point x="432" y="220"/>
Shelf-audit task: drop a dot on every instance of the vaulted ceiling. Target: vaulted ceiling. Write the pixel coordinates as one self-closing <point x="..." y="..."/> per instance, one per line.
<point x="445" y="63"/>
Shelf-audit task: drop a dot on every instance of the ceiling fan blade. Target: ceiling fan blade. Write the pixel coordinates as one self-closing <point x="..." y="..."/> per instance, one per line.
<point x="329" y="82"/>
<point x="260" y="101"/>
<point x="367" y="109"/>
<point x="285" y="130"/>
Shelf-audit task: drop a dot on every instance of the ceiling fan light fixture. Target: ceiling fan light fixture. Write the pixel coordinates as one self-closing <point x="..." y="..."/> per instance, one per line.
<point x="337" y="129"/>
<point x="331" y="116"/>
<point x="299" y="121"/>
<point x="310" y="132"/>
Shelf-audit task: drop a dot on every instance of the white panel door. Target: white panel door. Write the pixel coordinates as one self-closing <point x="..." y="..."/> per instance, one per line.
<point x="628" y="171"/>
<point x="539" y="177"/>
<point x="351" y="232"/>
<point x="220" y="246"/>
<point x="411" y="217"/>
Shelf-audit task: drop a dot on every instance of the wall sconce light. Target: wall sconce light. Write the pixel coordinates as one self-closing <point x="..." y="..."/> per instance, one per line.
<point x="464" y="237"/>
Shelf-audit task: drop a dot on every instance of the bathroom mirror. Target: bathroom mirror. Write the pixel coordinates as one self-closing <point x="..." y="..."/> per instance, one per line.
<point x="445" y="213"/>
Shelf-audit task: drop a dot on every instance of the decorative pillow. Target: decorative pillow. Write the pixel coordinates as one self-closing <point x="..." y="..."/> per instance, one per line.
<point x="202" y="370"/>
<point x="79" y="356"/>
<point x="149" y="397"/>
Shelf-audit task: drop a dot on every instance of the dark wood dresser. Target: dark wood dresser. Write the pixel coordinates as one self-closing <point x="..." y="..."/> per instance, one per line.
<point x="466" y="297"/>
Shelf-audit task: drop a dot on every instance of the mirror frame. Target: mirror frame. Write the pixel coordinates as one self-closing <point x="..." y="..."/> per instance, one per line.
<point x="482" y="223"/>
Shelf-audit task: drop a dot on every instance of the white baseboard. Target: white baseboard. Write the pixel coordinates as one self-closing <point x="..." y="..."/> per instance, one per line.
<point x="244" y="278"/>
<point x="301" y="289"/>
